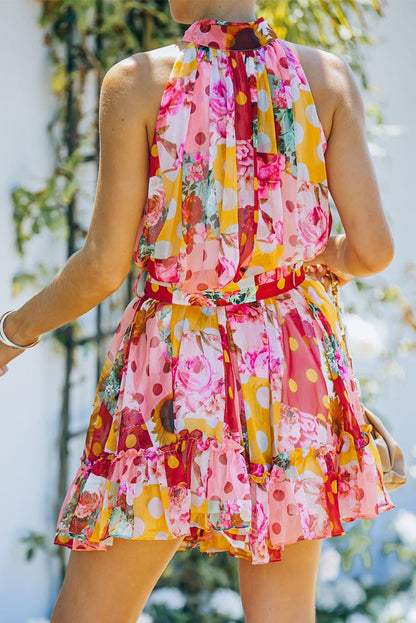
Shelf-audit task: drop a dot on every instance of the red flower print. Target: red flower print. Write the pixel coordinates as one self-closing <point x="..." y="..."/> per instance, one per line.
<point x="88" y="502"/>
<point x="191" y="210"/>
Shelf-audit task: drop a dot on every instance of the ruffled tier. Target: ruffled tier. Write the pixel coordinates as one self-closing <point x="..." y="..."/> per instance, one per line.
<point x="205" y="491"/>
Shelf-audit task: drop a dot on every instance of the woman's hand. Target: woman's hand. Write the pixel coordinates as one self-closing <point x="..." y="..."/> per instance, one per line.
<point x="7" y="353"/>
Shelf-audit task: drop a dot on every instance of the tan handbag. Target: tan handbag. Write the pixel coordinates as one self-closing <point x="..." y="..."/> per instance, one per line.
<point x="391" y="454"/>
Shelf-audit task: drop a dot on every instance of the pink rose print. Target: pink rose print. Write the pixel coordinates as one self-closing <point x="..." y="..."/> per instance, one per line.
<point x="156" y="201"/>
<point x="167" y="270"/>
<point x="198" y="170"/>
<point x="173" y="99"/>
<point x="268" y="173"/>
<point x="313" y="225"/>
<point x="244" y="158"/>
<point x="195" y="374"/>
<point x="256" y="361"/>
<point x="88" y="502"/>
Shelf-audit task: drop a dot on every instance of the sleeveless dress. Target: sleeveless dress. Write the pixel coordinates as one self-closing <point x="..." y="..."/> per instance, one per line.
<point x="227" y="410"/>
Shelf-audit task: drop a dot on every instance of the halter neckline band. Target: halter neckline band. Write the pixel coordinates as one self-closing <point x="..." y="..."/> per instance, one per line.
<point x="224" y="35"/>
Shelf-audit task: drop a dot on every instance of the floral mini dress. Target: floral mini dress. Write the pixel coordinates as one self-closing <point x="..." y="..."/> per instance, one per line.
<point x="227" y="410"/>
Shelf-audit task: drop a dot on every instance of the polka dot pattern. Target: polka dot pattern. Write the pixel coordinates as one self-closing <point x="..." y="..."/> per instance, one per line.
<point x="230" y="420"/>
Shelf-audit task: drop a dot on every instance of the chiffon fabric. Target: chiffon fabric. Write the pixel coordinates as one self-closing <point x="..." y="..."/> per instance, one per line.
<point x="229" y="419"/>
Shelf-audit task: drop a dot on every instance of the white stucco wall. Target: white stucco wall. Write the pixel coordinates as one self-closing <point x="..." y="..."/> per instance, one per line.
<point x="30" y="397"/>
<point x="31" y="393"/>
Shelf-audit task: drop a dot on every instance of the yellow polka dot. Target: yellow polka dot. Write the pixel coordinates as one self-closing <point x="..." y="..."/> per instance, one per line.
<point x="293" y="386"/>
<point x="226" y="357"/>
<point x="256" y="183"/>
<point x="325" y="401"/>
<point x="282" y="320"/>
<point x="334" y="486"/>
<point x="230" y="391"/>
<point x="256" y="214"/>
<point x="241" y="98"/>
<point x="229" y="40"/>
<point x="243" y="238"/>
<point x="293" y="343"/>
<point x="281" y="283"/>
<point x="131" y="440"/>
<point x="97" y="448"/>
<point x="159" y="171"/>
<point x="298" y="272"/>
<point x="346" y="396"/>
<point x="63" y="539"/>
<point x="315" y="340"/>
<point x="321" y="416"/>
<point x="311" y="375"/>
<point x="98" y="421"/>
<point x="330" y="497"/>
<point x="331" y="524"/>
<point x="155" y="287"/>
<point x="173" y="462"/>
<point x="234" y="62"/>
<point x="154" y="150"/>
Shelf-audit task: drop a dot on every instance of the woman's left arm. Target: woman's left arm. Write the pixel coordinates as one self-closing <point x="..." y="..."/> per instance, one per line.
<point x="101" y="265"/>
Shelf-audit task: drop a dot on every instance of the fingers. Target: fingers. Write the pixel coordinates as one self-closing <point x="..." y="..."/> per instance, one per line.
<point x="3" y="370"/>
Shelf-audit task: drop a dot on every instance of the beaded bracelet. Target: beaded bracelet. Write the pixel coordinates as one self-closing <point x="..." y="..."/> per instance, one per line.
<point x="5" y="340"/>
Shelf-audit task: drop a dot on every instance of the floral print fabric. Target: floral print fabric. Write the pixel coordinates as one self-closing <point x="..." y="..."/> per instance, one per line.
<point x="236" y="425"/>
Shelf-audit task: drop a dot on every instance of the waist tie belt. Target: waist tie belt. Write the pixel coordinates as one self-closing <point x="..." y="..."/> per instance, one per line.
<point x="210" y="298"/>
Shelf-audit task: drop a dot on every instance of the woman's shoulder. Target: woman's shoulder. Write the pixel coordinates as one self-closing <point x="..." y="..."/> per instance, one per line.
<point x="139" y="79"/>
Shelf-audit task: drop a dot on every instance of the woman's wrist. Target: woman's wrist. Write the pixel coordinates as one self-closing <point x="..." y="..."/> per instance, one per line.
<point x="17" y="332"/>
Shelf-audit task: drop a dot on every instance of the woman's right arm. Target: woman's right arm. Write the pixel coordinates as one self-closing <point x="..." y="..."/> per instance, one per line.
<point x="367" y="247"/>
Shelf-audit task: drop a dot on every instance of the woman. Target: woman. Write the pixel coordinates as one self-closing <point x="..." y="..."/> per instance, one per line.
<point x="227" y="415"/>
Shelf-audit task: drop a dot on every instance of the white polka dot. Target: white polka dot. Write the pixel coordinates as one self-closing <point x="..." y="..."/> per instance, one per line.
<point x="162" y="536"/>
<point x="163" y="249"/>
<point x="263" y="100"/>
<point x="315" y="298"/>
<point x="232" y="230"/>
<point x="263" y="140"/>
<point x="171" y="174"/>
<point x="299" y="132"/>
<point x="320" y="152"/>
<point x="244" y="378"/>
<point x="189" y="54"/>
<point x="155" y="507"/>
<point x="312" y="115"/>
<point x="263" y="397"/>
<point x="219" y="189"/>
<point x="139" y="527"/>
<point x="172" y="209"/>
<point x="266" y="247"/>
<point x="294" y="91"/>
<point x="262" y="441"/>
<point x="178" y="330"/>
<point x="197" y="500"/>
<point x="303" y="171"/>
<point x="213" y="152"/>
<point x="253" y="270"/>
<point x="229" y="200"/>
<point x="247" y="410"/>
